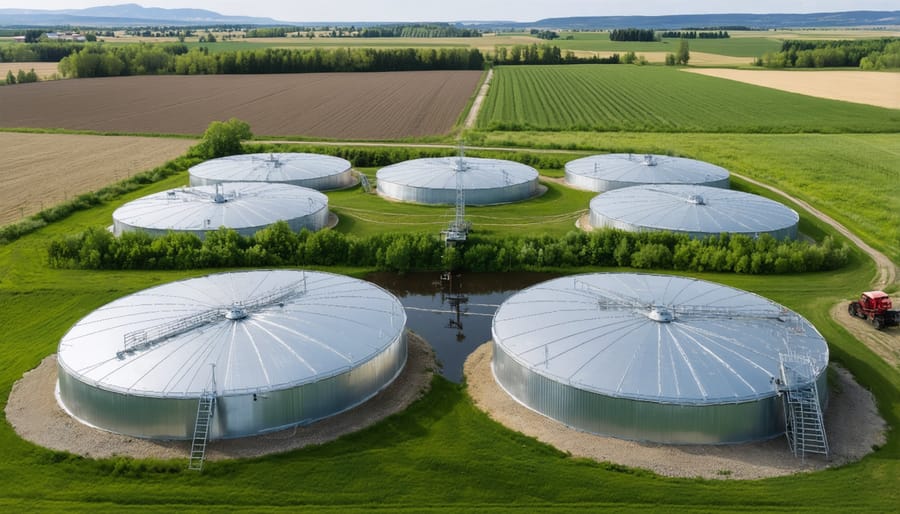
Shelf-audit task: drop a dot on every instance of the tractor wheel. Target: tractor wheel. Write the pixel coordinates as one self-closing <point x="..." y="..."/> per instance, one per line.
<point x="878" y="321"/>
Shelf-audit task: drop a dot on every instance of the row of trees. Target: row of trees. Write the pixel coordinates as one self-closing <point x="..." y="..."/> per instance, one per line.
<point x="549" y="35"/>
<point x="868" y="54"/>
<point x="632" y="34"/>
<point x="693" y="34"/>
<point x="277" y="245"/>
<point x="544" y="54"/>
<point x="419" y="30"/>
<point x="38" y="52"/>
<point x="103" y="61"/>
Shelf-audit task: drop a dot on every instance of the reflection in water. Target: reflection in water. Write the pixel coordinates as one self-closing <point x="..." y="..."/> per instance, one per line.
<point x="454" y="313"/>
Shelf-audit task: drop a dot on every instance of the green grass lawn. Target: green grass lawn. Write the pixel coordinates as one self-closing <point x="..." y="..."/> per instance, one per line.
<point x="661" y="99"/>
<point x="735" y="47"/>
<point x="441" y="454"/>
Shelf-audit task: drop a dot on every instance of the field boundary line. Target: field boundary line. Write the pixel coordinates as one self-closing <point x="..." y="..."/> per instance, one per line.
<point x="479" y="100"/>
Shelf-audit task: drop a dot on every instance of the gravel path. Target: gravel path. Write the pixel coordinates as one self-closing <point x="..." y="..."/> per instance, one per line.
<point x="852" y="424"/>
<point x="476" y="104"/>
<point x="34" y="414"/>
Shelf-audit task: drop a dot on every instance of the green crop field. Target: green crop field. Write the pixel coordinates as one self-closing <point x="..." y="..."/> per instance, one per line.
<point x="734" y="47"/>
<point x="442" y="454"/>
<point x="661" y="99"/>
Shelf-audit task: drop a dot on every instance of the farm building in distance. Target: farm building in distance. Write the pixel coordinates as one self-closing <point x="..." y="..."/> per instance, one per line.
<point x="658" y="358"/>
<point x="320" y="172"/>
<point x="613" y="171"/>
<point x="699" y="211"/>
<point x="435" y="181"/>
<point x="246" y="207"/>
<point x="274" y="349"/>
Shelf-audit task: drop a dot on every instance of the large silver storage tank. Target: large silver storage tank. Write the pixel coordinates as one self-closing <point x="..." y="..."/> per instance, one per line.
<point x="699" y="211"/>
<point x="245" y="207"/>
<point x="315" y="171"/>
<point x="434" y="181"/>
<point x="613" y="171"/>
<point x="276" y="348"/>
<point x="652" y="357"/>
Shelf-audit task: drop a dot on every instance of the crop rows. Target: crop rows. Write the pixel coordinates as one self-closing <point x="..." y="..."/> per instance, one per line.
<point x="657" y="99"/>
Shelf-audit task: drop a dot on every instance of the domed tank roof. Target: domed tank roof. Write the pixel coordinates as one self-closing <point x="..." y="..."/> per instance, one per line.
<point x="696" y="210"/>
<point x="657" y="338"/>
<point x="242" y="206"/>
<point x="434" y="180"/>
<point x="613" y="171"/>
<point x="263" y="330"/>
<point x="300" y="169"/>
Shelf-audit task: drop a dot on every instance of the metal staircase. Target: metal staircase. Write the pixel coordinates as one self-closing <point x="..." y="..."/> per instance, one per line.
<point x="205" y="409"/>
<point x="804" y="427"/>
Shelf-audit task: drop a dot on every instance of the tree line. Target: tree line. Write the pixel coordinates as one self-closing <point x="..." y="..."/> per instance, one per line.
<point x="419" y="30"/>
<point x="277" y="245"/>
<point x="632" y="34"/>
<point x="38" y="52"/>
<point x="694" y="34"/>
<point x="544" y="54"/>
<point x="866" y="54"/>
<point x="148" y="59"/>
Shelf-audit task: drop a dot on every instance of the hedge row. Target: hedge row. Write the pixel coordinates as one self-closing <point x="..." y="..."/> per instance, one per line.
<point x="277" y="245"/>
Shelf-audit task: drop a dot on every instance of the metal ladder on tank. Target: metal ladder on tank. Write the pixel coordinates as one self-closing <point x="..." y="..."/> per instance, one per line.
<point x="205" y="407"/>
<point x="804" y="426"/>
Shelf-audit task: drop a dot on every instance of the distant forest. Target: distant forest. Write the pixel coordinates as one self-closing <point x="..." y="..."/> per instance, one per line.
<point x="418" y="30"/>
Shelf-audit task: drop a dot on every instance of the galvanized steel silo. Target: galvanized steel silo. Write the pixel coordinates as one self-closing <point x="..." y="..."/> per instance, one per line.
<point x="652" y="357"/>
<point x="276" y="348"/>
<point x="699" y="211"/>
<point x="315" y="171"/>
<point x="245" y="207"/>
<point x="613" y="171"/>
<point x="434" y="181"/>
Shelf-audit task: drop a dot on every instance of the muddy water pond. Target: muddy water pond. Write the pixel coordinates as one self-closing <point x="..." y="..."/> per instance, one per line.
<point x="454" y="313"/>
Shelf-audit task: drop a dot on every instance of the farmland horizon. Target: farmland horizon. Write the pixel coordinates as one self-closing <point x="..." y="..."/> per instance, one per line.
<point x="463" y="11"/>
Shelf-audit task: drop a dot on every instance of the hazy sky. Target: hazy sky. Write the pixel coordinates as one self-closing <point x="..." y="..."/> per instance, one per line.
<point x="455" y="10"/>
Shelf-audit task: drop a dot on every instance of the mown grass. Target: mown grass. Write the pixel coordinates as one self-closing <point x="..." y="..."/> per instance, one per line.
<point x="734" y="47"/>
<point x="553" y="212"/>
<point x="851" y="177"/>
<point x="442" y="454"/>
<point x="661" y="99"/>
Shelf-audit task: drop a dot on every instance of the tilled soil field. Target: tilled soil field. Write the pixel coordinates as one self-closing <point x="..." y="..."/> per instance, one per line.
<point x="38" y="171"/>
<point x="328" y="105"/>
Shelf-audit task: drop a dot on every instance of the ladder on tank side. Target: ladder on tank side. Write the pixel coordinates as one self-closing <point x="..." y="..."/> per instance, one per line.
<point x="205" y="408"/>
<point x="804" y="426"/>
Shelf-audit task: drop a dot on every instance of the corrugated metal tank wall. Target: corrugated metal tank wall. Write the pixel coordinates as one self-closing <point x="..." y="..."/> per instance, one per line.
<point x="236" y="415"/>
<point x="642" y="420"/>
<point x="506" y="194"/>
<point x="337" y="181"/>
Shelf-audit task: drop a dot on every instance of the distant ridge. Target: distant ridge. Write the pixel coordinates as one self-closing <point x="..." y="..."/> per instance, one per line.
<point x="135" y="15"/>
<point x="759" y="21"/>
<point x="125" y="15"/>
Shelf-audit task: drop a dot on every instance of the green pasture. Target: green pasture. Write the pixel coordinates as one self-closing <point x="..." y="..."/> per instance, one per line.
<point x="661" y="99"/>
<point x="442" y="454"/>
<point x="734" y="47"/>
<point x="851" y="177"/>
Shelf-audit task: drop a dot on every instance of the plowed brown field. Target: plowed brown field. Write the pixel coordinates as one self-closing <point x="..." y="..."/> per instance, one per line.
<point x="41" y="170"/>
<point x="328" y="105"/>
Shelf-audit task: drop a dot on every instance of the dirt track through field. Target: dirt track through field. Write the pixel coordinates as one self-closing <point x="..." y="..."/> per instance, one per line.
<point x="38" y="171"/>
<point x="376" y="105"/>
<point x="881" y="89"/>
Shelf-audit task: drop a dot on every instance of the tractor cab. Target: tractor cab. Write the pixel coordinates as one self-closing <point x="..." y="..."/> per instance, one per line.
<point x="877" y="301"/>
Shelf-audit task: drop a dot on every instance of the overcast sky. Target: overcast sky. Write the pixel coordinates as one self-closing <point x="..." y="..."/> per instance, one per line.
<point x="458" y="10"/>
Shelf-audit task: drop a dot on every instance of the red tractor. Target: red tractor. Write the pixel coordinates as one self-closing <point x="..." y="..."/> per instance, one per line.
<point x="875" y="306"/>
